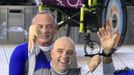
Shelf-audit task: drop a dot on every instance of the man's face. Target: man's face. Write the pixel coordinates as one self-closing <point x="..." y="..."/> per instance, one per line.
<point x="46" y="28"/>
<point x="62" y="55"/>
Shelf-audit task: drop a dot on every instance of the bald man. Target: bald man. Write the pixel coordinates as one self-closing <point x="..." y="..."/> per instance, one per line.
<point x="63" y="54"/>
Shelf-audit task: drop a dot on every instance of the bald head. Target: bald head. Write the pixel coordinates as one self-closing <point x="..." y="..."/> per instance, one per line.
<point x="64" y="42"/>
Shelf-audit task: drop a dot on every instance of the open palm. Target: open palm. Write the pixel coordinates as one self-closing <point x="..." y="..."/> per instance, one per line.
<point x="106" y="38"/>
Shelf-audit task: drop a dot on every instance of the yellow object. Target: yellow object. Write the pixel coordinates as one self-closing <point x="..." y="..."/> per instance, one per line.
<point x="40" y="8"/>
<point x="92" y="3"/>
<point x="89" y="2"/>
<point x="81" y="29"/>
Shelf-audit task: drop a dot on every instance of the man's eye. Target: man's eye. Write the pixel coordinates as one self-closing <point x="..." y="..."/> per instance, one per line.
<point x="40" y="26"/>
<point x="60" y="51"/>
<point x="70" y="53"/>
<point x="50" y="26"/>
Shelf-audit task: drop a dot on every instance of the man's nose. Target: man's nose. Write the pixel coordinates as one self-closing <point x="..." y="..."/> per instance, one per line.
<point x="45" y="28"/>
<point x="65" y="55"/>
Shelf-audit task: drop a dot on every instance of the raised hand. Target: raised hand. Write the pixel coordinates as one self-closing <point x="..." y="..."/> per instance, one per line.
<point x="107" y="38"/>
<point x="32" y="37"/>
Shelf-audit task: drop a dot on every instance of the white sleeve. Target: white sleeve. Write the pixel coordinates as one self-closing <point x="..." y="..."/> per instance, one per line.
<point x="35" y="50"/>
<point x="108" y="69"/>
<point x="32" y="59"/>
<point x="85" y="70"/>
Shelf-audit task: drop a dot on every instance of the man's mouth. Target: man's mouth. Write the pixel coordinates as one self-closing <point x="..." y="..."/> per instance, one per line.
<point x="64" y="62"/>
<point x="68" y="61"/>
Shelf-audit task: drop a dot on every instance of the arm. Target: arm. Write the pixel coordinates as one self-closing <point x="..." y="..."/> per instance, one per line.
<point x="31" y="49"/>
<point x="108" y="41"/>
<point x="94" y="62"/>
<point x="90" y="66"/>
<point x="37" y="58"/>
<point x="18" y="60"/>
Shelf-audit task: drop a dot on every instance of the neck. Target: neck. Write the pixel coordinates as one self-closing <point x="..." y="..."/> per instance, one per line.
<point x="46" y="48"/>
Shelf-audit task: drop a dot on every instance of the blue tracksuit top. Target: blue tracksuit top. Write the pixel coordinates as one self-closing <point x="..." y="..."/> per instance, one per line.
<point x="19" y="59"/>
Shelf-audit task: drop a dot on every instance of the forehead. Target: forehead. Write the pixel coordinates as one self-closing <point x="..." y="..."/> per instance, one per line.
<point x="64" y="45"/>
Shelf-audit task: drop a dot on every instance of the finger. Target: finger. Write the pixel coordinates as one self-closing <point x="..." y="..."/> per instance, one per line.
<point x="109" y="32"/>
<point x="115" y="36"/>
<point x="99" y="35"/>
<point x="106" y="30"/>
<point x="32" y="30"/>
<point x="116" y="41"/>
<point x="34" y="40"/>
<point x="32" y="36"/>
<point x="100" y="30"/>
<point x="103" y="31"/>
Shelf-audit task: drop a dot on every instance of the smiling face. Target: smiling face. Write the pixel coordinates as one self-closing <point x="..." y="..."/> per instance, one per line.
<point x="46" y="28"/>
<point x="62" y="54"/>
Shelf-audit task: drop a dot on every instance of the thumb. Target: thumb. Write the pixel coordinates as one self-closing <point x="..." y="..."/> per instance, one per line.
<point x="32" y="30"/>
<point x="116" y="39"/>
<point x="32" y="36"/>
<point x="114" y="36"/>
